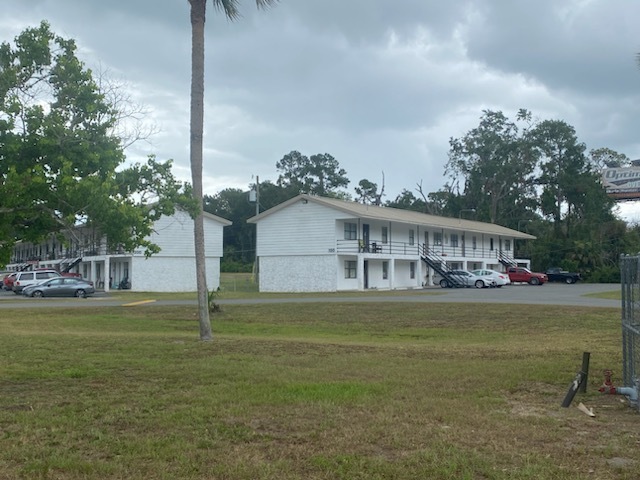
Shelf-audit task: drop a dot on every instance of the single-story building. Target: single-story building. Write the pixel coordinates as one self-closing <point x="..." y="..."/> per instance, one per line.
<point x="171" y="270"/>
<point x="320" y="244"/>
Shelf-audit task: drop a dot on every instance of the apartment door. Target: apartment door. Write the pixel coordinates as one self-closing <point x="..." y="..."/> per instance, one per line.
<point x="366" y="274"/>
<point x="365" y="236"/>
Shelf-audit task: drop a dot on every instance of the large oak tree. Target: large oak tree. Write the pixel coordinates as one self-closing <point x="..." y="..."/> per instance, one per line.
<point x="61" y="162"/>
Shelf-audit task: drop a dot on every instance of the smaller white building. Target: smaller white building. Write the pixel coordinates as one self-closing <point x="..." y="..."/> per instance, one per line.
<point x="319" y="244"/>
<point x="171" y="270"/>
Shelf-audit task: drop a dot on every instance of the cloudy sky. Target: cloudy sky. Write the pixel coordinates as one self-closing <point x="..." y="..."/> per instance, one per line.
<point x="380" y="85"/>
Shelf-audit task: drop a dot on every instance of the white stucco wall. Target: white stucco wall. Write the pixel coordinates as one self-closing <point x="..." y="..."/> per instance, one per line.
<point x="173" y="268"/>
<point x="171" y="274"/>
<point x="315" y="273"/>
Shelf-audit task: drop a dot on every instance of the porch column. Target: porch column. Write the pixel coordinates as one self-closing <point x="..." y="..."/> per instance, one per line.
<point x="107" y="273"/>
<point x="392" y="273"/>
<point x="419" y="273"/>
<point x="92" y="276"/>
<point x="360" y="272"/>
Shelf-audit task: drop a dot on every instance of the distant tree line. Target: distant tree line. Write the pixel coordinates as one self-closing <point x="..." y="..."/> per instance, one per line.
<point x="530" y="175"/>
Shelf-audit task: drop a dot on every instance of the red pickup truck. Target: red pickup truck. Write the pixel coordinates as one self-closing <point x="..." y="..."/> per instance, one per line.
<point x="521" y="274"/>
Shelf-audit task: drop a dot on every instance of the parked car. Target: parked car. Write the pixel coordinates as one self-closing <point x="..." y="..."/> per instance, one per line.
<point x="7" y="281"/>
<point x="556" y="274"/>
<point x="467" y="279"/>
<point x="24" y="279"/>
<point x="60" y="287"/>
<point x="500" y="278"/>
<point x="521" y="274"/>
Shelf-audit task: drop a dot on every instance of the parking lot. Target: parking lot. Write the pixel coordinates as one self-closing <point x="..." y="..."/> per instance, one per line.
<point x="517" y="294"/>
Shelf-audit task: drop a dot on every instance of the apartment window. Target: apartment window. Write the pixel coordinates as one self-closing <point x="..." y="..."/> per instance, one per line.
<point x="350" y="269"/>
<point x="412" y="269"/>
<point x="385" y="235"/>
<point x="491" y="244"/>
<point x="507" y="245"/>
<point x="454" y="239"/>
<point x="385" y="270"/>
<point x="412" y="237"/>
<point x="350" y="231"/>
<point x="474" y="243"/>
<point x="437" y="238"/>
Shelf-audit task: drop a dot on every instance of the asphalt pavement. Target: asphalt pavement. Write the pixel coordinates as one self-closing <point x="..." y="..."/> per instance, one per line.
<point x="516" y="294"/>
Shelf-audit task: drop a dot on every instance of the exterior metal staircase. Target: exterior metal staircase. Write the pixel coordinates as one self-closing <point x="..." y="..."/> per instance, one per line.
<point x="439" y="265"/>
<point x="68" y="266"/>
<point x="506" y="259"/>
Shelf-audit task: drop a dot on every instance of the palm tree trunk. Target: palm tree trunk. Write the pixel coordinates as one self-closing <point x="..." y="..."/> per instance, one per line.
<point x="198" y="10"/>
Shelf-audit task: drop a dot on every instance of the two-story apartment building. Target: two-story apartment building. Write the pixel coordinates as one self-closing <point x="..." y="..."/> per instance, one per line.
<point x="85" y="251"/>
<point x="319" y="244"/>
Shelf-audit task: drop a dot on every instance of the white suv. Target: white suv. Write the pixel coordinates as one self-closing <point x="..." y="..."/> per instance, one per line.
<point x="23" y="279"/>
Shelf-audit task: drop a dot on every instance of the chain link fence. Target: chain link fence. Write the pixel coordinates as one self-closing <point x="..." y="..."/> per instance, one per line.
<point x="630" y="283"/>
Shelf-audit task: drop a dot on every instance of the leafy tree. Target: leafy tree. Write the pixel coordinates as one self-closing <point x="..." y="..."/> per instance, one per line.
<point x="198" y="15"/>
<point x="60" y="161"/>
<point x="272" y="194"/>
<point x="496" y="163"/>
<point x="607" y="158"/>
<point x="367" y="192"/>
<point x="538" y="179"/>
<point x="567" y="178"/>
<point x="406" y="200"/>
<point x="239" y="238"/>
<point x="319" y="175"/>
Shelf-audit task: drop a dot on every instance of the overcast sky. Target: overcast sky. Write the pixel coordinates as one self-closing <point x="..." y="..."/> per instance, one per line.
<point x="380" y="85"/>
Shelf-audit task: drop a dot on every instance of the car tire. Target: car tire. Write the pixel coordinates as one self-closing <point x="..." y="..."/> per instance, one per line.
<point x="444" y="283"/>
<point x="479" y="284"/>
<point x="534" y="281"/>
<point x="569" y="280"/>
<point x="81" y="293"/>
<point x="37" y="294"/>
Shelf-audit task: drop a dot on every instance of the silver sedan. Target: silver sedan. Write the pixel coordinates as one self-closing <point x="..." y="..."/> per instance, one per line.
<point x="60" y="287"/>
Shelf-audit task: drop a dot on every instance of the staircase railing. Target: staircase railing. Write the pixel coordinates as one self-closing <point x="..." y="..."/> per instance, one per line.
<point x="506" y="260"/>
<point x="439" y="265"/>
<point x="68" y="266"/>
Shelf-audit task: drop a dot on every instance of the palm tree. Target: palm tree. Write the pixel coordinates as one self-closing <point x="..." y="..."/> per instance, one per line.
<point x="198" y="14"/>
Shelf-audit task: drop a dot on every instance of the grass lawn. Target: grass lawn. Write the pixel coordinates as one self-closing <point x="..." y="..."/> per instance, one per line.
<point x="312" y="391"/>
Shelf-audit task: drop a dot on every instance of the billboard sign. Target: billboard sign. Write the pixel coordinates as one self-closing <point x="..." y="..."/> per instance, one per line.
<point x="622" y="183"/>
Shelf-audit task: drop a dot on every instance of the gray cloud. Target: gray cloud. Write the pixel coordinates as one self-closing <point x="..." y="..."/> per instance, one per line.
<point x="381" y="86"/>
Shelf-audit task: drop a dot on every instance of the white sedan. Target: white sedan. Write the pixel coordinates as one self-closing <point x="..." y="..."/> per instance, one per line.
<point x="500" y="278"/>
<point x="462" y="278"/>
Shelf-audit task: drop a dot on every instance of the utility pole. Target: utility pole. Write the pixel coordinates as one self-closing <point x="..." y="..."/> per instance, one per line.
<point x="254" y="196"/>
<point x="257" y="194"/>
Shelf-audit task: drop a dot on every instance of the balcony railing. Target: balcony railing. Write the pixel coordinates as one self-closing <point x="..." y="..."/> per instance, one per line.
<point x="89" y="251"/>
<point x="389" y="248"/>
<point x="406" y="248"/>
